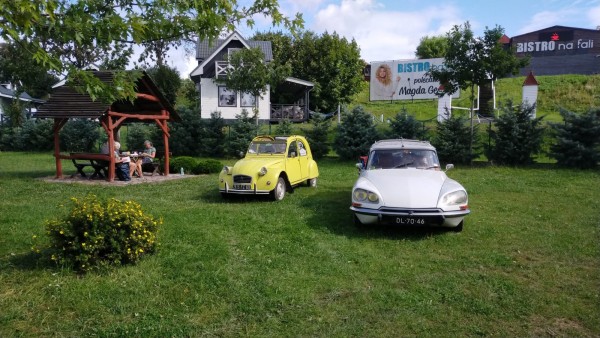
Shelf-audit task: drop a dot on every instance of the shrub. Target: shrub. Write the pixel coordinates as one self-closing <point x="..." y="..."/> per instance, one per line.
<point x="96" y="234"/>
<point x="212" y="136"/>
<point x="186" y="162"/>
<point x="185" y="135"/>
<point x="318" y="136"/>
<point x="452" y="140"/>
<point x="33" y="135"/>
<point x="242" y="132"/>
<point x="207" y="167"/>
<point x="137" y="133"/>
<point x="406" y="126"/>
<point x="284" y="127"/>
<point x="518" y="136"/>
<point x="577" y="140"/>
<point x="355" y="134"/>
<point x="79" y="135"/>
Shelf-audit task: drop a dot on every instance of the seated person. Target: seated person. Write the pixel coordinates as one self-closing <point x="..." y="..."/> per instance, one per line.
<point x="123" y="163"/>
<point x="148" y="156"/>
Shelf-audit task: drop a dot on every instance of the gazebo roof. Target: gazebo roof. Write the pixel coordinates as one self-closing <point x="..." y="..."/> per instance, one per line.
<point x="66" y="102"/>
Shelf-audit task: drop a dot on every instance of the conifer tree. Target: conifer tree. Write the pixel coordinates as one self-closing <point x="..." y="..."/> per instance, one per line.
<point x="355" y="134"/>
<point x="452" y="140"/>
<point x="518" y="136"/>
<point x="577" y="139"/>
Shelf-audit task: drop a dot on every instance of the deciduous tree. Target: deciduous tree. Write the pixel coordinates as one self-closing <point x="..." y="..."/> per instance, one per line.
<point x="473" y="61"/>
<point x="432" y="47"/>
<point x="63" y="35"/>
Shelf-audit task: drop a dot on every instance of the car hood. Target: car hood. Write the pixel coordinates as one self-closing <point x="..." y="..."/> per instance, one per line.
<point x="405" y="188"/>
<point x="251" y="166"/>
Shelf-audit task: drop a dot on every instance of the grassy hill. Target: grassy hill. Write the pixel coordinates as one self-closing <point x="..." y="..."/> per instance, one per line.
<point x="577" y="93"/>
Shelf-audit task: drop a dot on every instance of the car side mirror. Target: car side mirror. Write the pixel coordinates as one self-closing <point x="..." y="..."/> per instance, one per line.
<point x="241" y="154"/>
<point x="449" y="166"/>
<point x="360" y="166"/>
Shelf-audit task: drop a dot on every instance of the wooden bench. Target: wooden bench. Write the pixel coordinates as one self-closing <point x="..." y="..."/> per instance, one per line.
<point x="98" y="162"/>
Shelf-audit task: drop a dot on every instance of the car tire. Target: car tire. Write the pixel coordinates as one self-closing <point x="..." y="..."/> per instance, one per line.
<point x="279" y="192"/>
<point x="459" y="227"/>
<point x="312" y="182"/>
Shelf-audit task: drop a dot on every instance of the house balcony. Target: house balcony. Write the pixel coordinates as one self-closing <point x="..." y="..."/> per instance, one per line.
<point x="292" y="112"/>
<point x="222" y="68"/>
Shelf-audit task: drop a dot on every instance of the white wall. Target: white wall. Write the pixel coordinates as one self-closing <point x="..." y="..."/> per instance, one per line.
<point x="530" y="94"/>
<point x="209" y="103"/>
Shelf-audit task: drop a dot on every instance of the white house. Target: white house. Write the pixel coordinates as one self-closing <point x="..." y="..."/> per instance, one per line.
<point x="216" y="97"/>
<point x="8" y="95"/>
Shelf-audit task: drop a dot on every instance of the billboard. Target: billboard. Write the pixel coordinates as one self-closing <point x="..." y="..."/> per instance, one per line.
<point x="404" y="80"/>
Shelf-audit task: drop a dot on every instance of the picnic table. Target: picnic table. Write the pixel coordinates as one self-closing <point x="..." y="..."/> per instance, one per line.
<point x="98" y="162"/>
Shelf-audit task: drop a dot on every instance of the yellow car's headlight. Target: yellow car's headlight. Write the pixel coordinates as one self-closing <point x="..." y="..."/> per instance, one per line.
<point x="262" y="171"/>
<point x="228" y="170"/>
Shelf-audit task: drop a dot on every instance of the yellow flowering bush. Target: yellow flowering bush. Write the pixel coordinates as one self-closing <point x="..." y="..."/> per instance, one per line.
<point x="97" y="233"/>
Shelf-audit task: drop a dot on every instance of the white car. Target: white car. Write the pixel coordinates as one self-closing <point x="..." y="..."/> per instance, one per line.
<point x="401" y="183"/>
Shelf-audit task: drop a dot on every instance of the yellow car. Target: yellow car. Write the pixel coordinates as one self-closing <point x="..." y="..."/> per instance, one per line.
<point x="272" y="165"/>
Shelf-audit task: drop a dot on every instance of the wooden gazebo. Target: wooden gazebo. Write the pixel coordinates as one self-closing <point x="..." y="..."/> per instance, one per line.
<point x="149" y="106"/>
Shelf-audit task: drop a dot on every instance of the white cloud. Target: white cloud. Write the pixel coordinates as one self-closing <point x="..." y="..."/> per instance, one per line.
<point x="382" y="33"/>
<point x="594" y="16"/>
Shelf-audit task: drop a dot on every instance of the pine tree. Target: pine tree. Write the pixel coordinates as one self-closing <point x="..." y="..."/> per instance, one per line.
<point x="355" y="134"/>
<point x="577" y="140"/>
<point x="213" y="138"/>
<point x="452" y="140"/>
<point x="518" y="136"/>
<point x="284" y="127"/>
<point x="243" y="130"/>
<point x="406" y="126"/>
<point x="317" y="136"/>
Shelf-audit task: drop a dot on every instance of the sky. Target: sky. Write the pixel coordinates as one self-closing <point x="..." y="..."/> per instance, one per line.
<point x="391" y="29"/>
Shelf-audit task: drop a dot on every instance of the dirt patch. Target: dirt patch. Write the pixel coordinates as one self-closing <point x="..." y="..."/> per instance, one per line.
<point x="99" y="181"/>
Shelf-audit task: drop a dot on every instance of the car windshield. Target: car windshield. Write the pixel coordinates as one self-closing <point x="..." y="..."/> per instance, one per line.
<point x="267" y="147"/>
<point x="403" y="158"/>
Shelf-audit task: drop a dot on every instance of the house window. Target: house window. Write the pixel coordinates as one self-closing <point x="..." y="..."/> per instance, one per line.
<point x="248" y="100"/>
<point x="227" y="97"/>
<point x="231" y="51"/>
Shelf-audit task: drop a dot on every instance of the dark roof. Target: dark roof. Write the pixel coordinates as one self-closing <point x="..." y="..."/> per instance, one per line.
<point x="205" y="49"/>
<point x="66" y="102"/>
<point x="557" y="28"/>
<point x="530" y="80"/>
<point x="11" y="93"/>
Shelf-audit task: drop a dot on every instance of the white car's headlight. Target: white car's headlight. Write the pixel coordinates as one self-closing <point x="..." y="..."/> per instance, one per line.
<point x="262" y="171"/>
<point x="228" y="170"/>
<point x="362" y="195"/>
<point x="455" y="198"/>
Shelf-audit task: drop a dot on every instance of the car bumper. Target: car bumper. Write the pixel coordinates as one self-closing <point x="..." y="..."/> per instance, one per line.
<point x="225" y="189"/>
<point x="410" y="217"/>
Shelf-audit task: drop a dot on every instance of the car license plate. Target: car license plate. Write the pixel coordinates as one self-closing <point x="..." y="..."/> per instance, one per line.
<point x="241" y="186"/>
<point x="410" y="221"/>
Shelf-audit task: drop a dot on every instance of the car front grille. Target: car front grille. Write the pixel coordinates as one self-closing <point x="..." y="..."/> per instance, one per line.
<point x="411" y="211"/>
<point x="242" y="179"/>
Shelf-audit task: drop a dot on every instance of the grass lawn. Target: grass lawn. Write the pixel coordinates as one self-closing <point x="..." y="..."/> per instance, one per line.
<point x="526" y="264"/>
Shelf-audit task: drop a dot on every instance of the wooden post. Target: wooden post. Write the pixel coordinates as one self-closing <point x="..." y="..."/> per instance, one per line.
<point x="58" y="123"/>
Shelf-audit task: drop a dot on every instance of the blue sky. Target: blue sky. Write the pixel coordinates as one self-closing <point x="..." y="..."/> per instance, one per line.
<point x="391" y="29"/>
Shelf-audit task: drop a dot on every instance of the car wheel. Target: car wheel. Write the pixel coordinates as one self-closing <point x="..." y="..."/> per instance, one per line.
<point x="279" y="192"/>
<point x="459" y="227"/>
<point x="312" y="182"/>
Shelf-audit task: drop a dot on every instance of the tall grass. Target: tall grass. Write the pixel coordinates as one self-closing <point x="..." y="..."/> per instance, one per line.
<point x="527" y="263"/>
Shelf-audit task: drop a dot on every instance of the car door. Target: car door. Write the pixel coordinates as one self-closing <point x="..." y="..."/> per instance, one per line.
<point x="303" y="159"/>
<point x="292" y="164"/>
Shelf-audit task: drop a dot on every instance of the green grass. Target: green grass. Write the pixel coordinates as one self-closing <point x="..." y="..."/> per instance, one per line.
<point x="527" y="263"/>
<point x="577" y="93"/>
